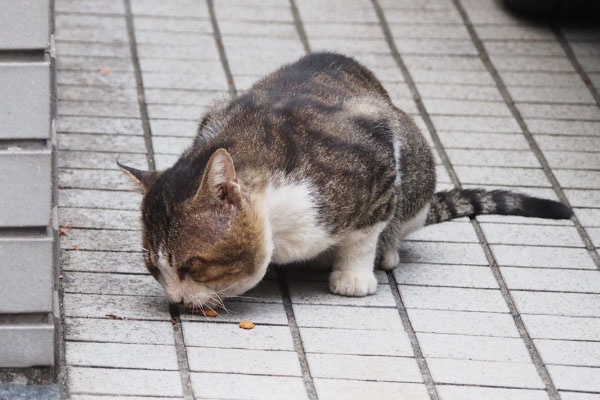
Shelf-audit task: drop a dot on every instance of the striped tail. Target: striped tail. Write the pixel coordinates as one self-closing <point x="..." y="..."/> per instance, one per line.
<point x="458" y="203"/>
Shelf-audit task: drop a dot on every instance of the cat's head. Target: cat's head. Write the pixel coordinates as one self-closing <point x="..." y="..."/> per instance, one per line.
<point x="203" y="239"/>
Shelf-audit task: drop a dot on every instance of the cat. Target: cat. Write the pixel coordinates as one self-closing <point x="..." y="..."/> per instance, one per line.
<point x="313" y="159"/>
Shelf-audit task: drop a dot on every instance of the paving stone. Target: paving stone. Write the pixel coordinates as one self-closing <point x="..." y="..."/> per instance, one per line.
<point x="86" y="6"/>
<point x="176" y="111"/>
<point x="493" y="158"/>
<point x="316" y="292"/>
<point x="442" y="253"/>
<point x="583" y="198"/>
<point x="94" y="179"/>
<point x="562" y="327"/>
<point x="93" y="159"/>
<point x="116" y="200"/>
<point x="485" y="373"/>
<point x="566" y="143"/>
<point x="460" y="107"/>
<point x="333" y="12"/>
<point x="350" y="46"/>
<point x="570" y="304"/>
<point x="123" y="382"/>
<point x="200" y="50"/>
<point x="369" y="368"/>
<point x="514" y="32"/>
<point x="170" y="145"/>
<point x="97" y="21"/>
<point x="100" y="219"/>
<point x="111" y="284"/>
<point x="196" y="98"/>
<point x="573" y="160"/>
<point x="538" y="48"/>
<point x="242" y="361"/>
<point x="454" y="231"/>
<point x="98" y="108"/>
<point x="553" y="126"/>
<point x="116" y="126"/>
<point x="357" y="342"/>
<point x="423" y="16"/>
<point x="131" y="307"/>
<point x="165" y="127"/>
<point x="279" y="29"/>
<point x="311" y="316"/>
<point x="532" y="63"/>
<point x="564" y="236"/>
<point x="262" y="337"/>
<point x="437" y="298"/>
<point x="178" y="8"/>
<point x="106" y="240"/>
<point x="589" y="217"/>
<point x="331" y="389"/>
<point x="460" y="347"/>
<point x="98" y="93"/>
<point x="171" y="24"/>
<point x="452" y="392"/>
<point x="93" y="64"/>
<point x="164" y="161"/>
<point x="92" y="50"/>
<point x="559" y="111"/>
<point x="117" y="79"/>
<point x="198" y="80"/>
<point x="549" y="95"/>
<point x="577" y="396"/>
<point x="552" y="279"/>
<point x="578" y="179"/>
<point x="502" y="176"/>
<point x="319" y="273"/>
<point x="542" y="257"/>
<point x="120" y="355"/>
<point x="113" y="397"/>
<point x="569" y="352"/>
<point x="259" y="313"/>
<point x="453" y="77"/>
<point x="93" y="142"/>
<point x="542" y="79"/>
<point x="575" y="378"/>
<point x="246" y="387"/>
<point x="176" y="38"/>
<point x="483" y="141"/>
<point x="445" y="275"/>
<point x="594" y="234"/>
<point x="117" y="331"/>
<point x="458" y="91"/>
<point x="102" y="261"/>
<point x="463" y="323"/>
<point x="517" y="220"/>
<point x="476" y="124"/>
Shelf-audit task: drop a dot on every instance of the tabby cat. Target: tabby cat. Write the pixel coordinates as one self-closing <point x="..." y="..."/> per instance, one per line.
<point x="313" y="159"/>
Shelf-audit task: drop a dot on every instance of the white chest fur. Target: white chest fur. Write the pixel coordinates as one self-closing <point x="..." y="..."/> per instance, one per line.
<point x="293" y="217"/>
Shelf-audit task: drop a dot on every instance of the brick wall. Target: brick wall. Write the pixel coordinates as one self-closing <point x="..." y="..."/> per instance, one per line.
<point x="28" y="235"/>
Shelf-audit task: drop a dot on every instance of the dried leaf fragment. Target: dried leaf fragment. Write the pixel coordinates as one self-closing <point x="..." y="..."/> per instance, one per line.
<point x="245" y="324"/>
<point x="104" y="71"/>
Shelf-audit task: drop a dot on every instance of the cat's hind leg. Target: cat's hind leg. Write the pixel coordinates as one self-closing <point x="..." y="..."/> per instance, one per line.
<point x="354" y="259"/>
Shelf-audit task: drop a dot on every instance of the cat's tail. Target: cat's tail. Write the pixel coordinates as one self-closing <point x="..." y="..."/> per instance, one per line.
<point x="457" y="203"/>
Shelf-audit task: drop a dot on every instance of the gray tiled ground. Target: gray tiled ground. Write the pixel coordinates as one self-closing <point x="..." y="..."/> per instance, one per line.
<point x="511" y="313"/>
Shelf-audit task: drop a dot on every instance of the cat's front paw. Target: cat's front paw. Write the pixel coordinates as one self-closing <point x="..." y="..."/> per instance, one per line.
<point x="390" y="260"/>
<point x="350" y="283"/>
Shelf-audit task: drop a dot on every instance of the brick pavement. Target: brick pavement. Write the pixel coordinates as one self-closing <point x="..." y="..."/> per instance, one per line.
<point x="494" y="308"/>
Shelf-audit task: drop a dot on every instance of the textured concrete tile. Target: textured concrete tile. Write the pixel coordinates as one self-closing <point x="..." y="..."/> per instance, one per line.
<point x="332" y="389"/>
<point x="573" y="160"/>
<point x="569" y="304"/>
<point x="559" y="111"/>
<point x="164" y="161"/>
<point x="543" y="257"/>
<point x="196" y="98"/>
<point x="461" y="107"/>
<point x="311" y="316"/>
<point x="357" y="342"/>
<point x="558" y="127"/>
<point x="452" y="392"/>
<point x="423" y="15"/>
<point x="517" y="220"/>
<point x="483" y="141"/>
<point x="502" y="176"/>
<point x="445" y="275"/>
<point x="575" y="378"/>
<point x="493" y="158"/>
<point x="350" y="46"/>
<point x="453" y="299"/>
<point x="450" y="253"/>
<point x="589" y="217"/>
<point x="94" y="6"/>
<point x="102" y="261"/>
<point x="118" y="331"/>
<point x="169" y="127"/>
<point x="94" y="159"/>
<point x="514" y="32"/>
<point x="196" y="80"/>
<point x="100" y="219"/>
<point x="485" y="373"/>
<point x="199" y="50"/>
<point x="538" y="48"/>
<point x="426" y="32"/>
<point x="82" y="63"/>
<point x="172" y="38"/>
<point x="567" y="143"/>
<point x="369" y="368"/>
<point x="99" y="108"/>
<point x="314" y="292"/>
<point x="132" y="307"/>
<point x="242" y="361"/>
<point x="93" y="142"/>
<point x="336" y="13"/>
<point x="97" y="93"/>
<point x="116" y="126"/>
<point x="96" y="78"/>
<point x="453" y="231"/>
<point x="113" y="397"/>
<point x="111" y="284"/>
<point x="321" y="273"/>
<point x="565" y="236"/>
<point x="170" y="145"/>
<point x="246" y="387"/>
<point x="114" y="200"/>
<point x="92" y="50"/>
<point x="176" y="111"/>
<point x="124" y="382"/>
<point x="542" y="79"/>
<point x="578" y="179"/>
<point x="577" y="396"/>
<point x="463" y="323"/>
<point x="255" y="28"/>
<point x="532" y="63"/>
<point x="259" y="313"/>
<point x="569" y="352"/>
<point x="107" y="240"/>
<point x="482" y="348"/>
<point x="583" y="198"/>
<point x="552" y="279"/>
<point x="450" y="77"/>
<point x="558" y="327"/>
<point x="205" y="334"/>
<point x="459" y="91"/>
<point x="120" y="355"/>
<point x="558" y="95"/>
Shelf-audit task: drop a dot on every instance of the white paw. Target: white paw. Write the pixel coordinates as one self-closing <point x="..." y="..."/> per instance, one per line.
<point x="390" y="260"/>
<point x="349" y="283"/>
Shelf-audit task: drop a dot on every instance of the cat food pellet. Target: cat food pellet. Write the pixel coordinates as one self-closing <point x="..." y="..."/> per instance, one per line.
<point x="245" y="324"/>
<point x="210" y="313"/>
<point x="206" y="313"/>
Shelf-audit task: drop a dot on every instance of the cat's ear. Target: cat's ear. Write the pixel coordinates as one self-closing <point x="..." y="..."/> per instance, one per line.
<point x="220" y="181"/>
<point x="144" y="178"/>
